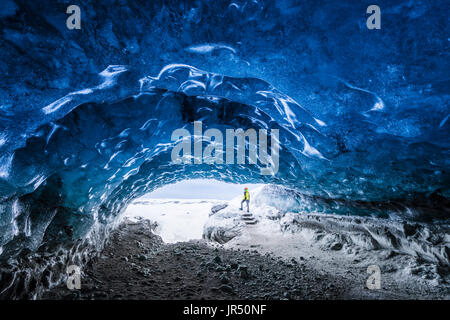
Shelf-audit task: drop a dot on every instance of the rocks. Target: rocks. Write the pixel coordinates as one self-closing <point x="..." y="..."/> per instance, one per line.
<point x="177" y="253"/>
<point x="224" y="279"/>
<point x="336" y="246"/>
<point x="389" y="254"/>
<point x="389" y="268"/>
<point x="217" y="208"/>
<point x="138" y="244"/>
<point x="226" y="288"/>
<point x="243" y="272"/>
<point x="142" y="271"/>
<point x="210" y="266"/>
<point x="410" y="229"/>
<point x="202" y="272"/>
<point x="142" y="257"/>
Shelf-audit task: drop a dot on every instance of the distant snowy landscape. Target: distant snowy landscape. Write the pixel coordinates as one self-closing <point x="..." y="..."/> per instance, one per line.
<point x="183" y="218"/>
<point x="177" y="219"/>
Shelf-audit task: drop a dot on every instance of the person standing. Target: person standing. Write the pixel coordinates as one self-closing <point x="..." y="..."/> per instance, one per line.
<point x="246" y="199"/>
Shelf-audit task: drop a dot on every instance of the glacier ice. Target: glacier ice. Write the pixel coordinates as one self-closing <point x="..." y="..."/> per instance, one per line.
<point x="90" y="155"/>
<point x="86" y="117"/>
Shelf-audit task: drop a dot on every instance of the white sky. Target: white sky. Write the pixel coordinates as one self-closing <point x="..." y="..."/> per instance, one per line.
<point x="200" y="189"/>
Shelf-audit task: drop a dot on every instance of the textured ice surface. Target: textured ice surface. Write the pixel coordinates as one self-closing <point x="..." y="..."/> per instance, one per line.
<point x="86" y="158"/>
<point x="429" y="242"/>
<point x="86" y="115"/>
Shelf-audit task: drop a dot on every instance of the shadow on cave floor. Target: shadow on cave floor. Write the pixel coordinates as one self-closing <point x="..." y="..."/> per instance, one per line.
<point x="137" y="264"/>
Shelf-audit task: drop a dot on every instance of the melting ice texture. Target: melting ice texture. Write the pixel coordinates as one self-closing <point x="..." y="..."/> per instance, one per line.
<point x="87" y="157"/>
<point x="360" y="128"/>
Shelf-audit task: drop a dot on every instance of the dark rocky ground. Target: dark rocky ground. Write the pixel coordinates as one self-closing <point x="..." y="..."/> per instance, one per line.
<point x="136" y="264"/>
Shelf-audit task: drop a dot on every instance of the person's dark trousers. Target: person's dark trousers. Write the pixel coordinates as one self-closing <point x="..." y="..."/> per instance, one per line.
<point x="248" y="204"/>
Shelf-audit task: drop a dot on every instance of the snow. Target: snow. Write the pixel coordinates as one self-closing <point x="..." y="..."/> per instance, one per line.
<point x="178" y="219"/>
<point x="344" y="246"/>
<point x="408" y="257"/>
<point x="178" y="214"/>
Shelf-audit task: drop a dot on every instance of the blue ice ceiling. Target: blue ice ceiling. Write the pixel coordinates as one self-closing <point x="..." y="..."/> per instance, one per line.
<point x="86" y="116"/>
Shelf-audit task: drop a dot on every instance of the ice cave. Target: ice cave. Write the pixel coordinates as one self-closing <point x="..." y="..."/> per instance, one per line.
<point x="87" y="117"/>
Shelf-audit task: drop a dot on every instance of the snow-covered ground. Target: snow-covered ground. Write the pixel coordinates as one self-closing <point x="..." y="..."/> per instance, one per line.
<point x="176" y="211"/>
<point x="412" y="257"/>
<point x="177" y="219"/>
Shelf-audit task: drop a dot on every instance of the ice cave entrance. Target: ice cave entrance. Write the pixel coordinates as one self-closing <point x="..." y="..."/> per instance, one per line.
<point x="181" y="209"/>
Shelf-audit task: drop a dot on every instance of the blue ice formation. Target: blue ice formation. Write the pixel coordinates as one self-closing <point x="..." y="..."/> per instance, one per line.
<point x="86" y="116"/>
